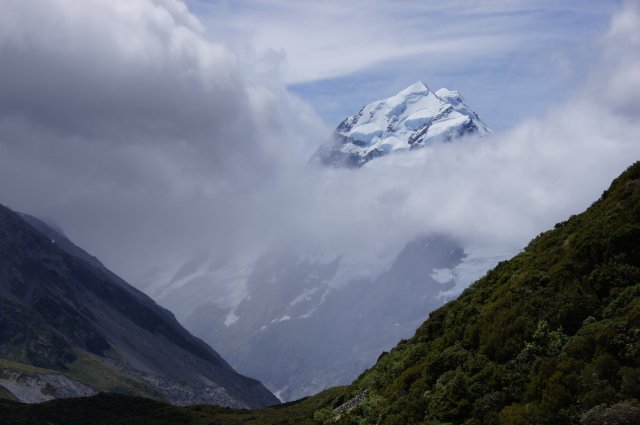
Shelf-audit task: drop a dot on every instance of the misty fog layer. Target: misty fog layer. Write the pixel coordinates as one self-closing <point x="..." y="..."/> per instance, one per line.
<point x="125" y="125"/>
<point x="151" y="144"/>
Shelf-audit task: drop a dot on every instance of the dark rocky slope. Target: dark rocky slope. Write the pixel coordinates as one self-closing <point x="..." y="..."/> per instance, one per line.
<point x="62" y="309"/>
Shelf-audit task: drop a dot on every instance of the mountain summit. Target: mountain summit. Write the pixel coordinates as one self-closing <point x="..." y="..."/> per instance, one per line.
<point x="413" y="118"/>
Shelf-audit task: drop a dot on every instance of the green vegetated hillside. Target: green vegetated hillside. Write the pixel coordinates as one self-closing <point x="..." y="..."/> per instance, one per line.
<point x="549" y="337"/>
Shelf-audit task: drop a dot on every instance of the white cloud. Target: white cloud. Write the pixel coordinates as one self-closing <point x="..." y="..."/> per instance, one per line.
<point x="121" y="114"/>
<point x="618" y="78"/>
<point x="146" y="142"/>
<point x="334" y="38"/>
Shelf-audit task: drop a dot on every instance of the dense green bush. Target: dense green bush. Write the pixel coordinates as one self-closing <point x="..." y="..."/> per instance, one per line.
<point x="542" y="339"/>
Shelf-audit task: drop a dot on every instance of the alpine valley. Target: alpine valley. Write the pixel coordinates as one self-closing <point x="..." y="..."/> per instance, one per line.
<point x="268" y="212"/>
<point x="302" y="322"/>
<point x="550" y="337"/>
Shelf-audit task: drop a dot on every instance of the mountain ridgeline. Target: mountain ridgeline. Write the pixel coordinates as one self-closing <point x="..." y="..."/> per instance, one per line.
<point x="68" y="326"/>
<point x="551" y="336"/>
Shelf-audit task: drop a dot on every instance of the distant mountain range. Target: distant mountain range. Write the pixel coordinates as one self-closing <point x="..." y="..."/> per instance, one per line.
<point x="413" y="118"/>
<point x="299" y="333"/>
<point x="70" y="327"/>
<point x="303" y="323"/>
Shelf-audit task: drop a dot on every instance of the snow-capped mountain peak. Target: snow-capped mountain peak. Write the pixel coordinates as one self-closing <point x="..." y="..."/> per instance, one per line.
<point x="415" y="117"/>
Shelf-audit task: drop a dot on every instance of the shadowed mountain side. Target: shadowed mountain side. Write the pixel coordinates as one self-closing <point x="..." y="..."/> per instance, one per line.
<point x="90" y="316"/>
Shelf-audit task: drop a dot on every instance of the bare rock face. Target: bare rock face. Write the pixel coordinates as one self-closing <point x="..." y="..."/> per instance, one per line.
<point x="36" y="387"/>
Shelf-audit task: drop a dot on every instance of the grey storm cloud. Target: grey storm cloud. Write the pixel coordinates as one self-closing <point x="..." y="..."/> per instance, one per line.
<point x="122" y="74"/>
<point x="146" y="141"/>
<point x="122" y="112"/>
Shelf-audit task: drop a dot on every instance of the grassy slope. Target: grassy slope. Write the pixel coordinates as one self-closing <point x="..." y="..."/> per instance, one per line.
<point x="93" y="371"/>
<point x="549" y="337"/>
<point x="24" y="368"/>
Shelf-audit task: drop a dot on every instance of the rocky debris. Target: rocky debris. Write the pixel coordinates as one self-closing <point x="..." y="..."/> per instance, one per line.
<point x="350" y="404"/>
<point x="185" y="394"/>
<point x="36" y="388"/>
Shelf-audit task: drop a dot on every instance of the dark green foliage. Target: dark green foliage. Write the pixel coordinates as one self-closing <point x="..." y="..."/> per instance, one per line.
<point x="623" y="413"/>
<point x="102" y="409"/>
<point x="118" y="409"/>
<point x="543" y="338"/>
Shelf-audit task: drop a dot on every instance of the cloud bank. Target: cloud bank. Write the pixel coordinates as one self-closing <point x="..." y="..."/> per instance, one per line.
<point x="122" y="115"/>
<point x="147" y="137"/>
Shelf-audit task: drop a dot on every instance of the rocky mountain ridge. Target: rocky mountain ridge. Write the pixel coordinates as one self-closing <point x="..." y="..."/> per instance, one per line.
<point x="61" y="309"/>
